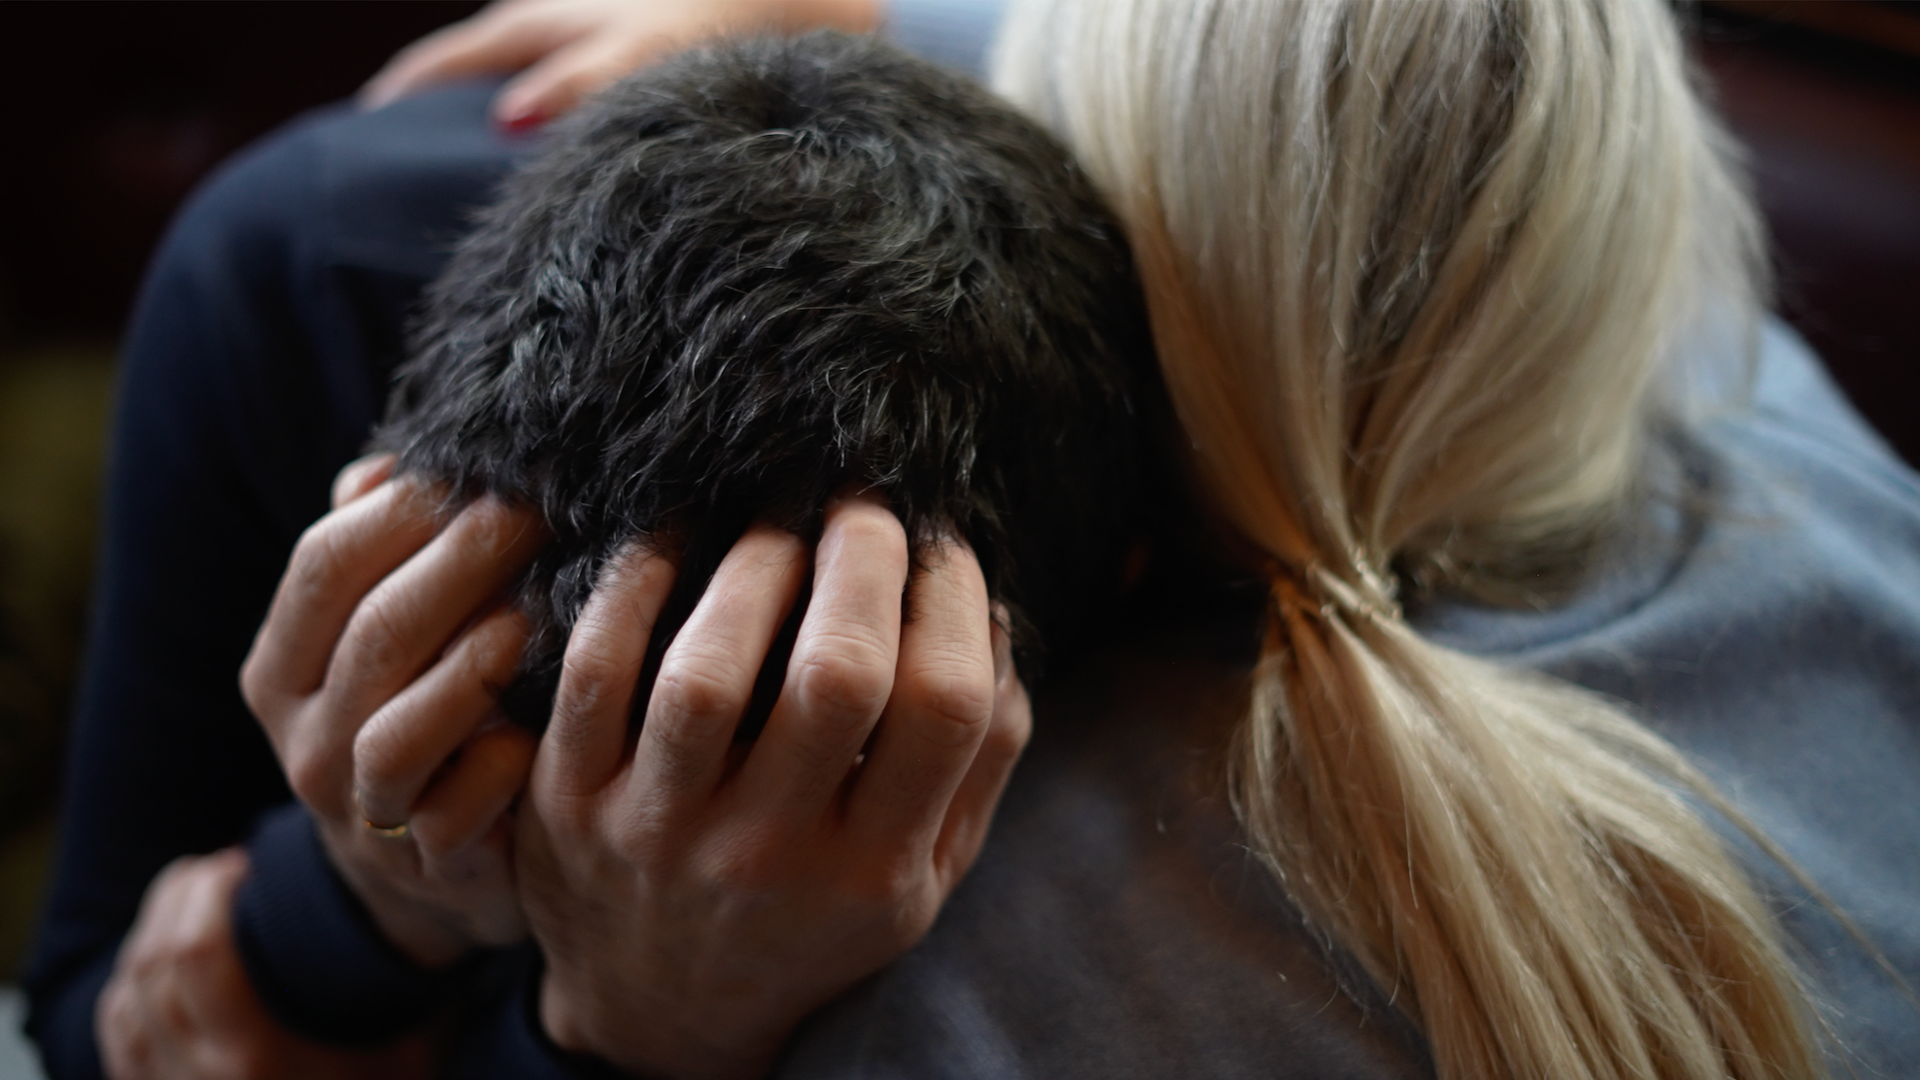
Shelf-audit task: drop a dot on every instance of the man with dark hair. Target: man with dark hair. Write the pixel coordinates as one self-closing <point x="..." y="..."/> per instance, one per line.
<point x="764" y="271"/>
<point x="764" y="293"/>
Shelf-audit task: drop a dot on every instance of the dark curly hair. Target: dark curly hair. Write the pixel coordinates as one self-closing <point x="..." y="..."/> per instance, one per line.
<point x="765" y="269"/>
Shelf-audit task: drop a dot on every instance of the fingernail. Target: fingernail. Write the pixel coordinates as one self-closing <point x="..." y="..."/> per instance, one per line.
<point x="521" y="119"/>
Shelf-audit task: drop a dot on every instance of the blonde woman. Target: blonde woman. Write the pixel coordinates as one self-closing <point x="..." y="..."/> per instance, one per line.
<point x="1425" y="280"/>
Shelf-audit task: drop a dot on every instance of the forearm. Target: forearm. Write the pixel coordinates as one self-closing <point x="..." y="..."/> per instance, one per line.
<point x="321" y="965"/>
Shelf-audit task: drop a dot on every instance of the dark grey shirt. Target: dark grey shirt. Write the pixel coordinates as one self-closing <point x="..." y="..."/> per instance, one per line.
<point x="1765" y="617"/>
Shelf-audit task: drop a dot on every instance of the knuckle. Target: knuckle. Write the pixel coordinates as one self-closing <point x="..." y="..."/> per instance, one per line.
<point x="912" y="919"/>
<point x="505" y="754"/>
<point x="583" y="78"/>
<point x="589" y="669"/>
<point x="254" y="688"/>
<point x="642" y="834"/>
<point x="895" y="896"/>
<point x="315" y="564"/>
<point x="275" y="710"/>
<point x="698" y="692"/>
<point x="373" y="644"/>
<point x="950" y="557"/>
<point x="520" y="531"/>
<point x="311" y="773"/>
<point x="501" y="642"/>
<point x="489" y="525"/>
<point x="888" y="885"/>
<point x="951" y="705"/>
<point x="746" y="865"/>
<point x="676" y="744"/>
<point x="489" y="651"/>
<point x="1010" y="733"/>
<point x="577" y="707"/>
<point x="844" y="674"/>
<point x="379" y="756"/>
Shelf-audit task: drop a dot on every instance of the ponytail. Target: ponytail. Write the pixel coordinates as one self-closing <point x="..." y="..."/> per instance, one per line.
<point x="1493" y="848"/>
<point x="1412" y="269"/>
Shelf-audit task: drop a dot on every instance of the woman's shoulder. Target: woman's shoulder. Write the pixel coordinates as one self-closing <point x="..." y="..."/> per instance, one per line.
<point x="1764" y="615"/>
<point x="1763" y="487"/>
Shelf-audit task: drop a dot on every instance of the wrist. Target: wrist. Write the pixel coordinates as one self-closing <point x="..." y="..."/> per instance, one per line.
<point x="416" y="934"/>
<point x="322" y="965"/>
<point x="421" y="938"/>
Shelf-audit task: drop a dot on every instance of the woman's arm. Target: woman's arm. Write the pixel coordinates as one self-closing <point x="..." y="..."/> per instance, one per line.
<point x="561" y="51"/>
<point x="179" y="1004"/>
<point x="253" y="369"/>
<point x="564" y="50"/>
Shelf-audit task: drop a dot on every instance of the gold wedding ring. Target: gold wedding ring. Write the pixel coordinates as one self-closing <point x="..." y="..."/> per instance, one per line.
<point x="391" y="832"/>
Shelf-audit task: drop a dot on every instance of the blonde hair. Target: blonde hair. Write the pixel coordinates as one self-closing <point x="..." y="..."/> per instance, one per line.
<point x="1412" y="268"/>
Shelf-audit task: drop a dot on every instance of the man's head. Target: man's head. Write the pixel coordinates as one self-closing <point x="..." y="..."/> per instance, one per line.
<point x="763" y="271"/>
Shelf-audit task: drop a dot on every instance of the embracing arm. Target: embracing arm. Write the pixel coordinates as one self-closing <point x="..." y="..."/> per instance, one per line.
<point x="564" y="50"/>
<point x="179" y="1004"/>
<point x="252" y="371"/>
<point x="204" y="500"/>
<point x="561" y="51"/>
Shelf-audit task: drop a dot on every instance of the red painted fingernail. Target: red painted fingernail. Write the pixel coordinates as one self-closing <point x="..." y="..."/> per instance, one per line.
<point x="522" y="121"/>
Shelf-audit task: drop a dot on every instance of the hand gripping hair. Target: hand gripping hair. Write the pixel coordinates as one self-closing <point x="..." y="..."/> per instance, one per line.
<point x="762" y="271"/>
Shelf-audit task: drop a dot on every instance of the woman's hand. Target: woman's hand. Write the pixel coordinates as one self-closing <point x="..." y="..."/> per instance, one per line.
<point x="567" y="49"/>
<point x="697" y="897"/>
<point x="375" y="676"/>
<point x="178" y="1005"/>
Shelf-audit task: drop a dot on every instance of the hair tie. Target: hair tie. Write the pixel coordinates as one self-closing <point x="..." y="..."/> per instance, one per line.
<point x="1316" y="590"/>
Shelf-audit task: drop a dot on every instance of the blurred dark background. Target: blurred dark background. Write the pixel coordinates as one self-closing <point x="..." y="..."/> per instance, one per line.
<point x="120" y="108"/>
<point x="1826" y="97"/>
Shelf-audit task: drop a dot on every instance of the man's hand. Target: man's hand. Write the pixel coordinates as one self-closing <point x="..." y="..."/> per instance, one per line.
<point x="567" y="49"/>
<point x="696" y="897"/>
<point x="178" y="1005"/>
<point x="375" y="676"/>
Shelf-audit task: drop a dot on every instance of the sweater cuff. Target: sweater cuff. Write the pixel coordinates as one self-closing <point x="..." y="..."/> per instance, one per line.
<point x="319" y="963"/>
<point x="512" y="1042"/>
